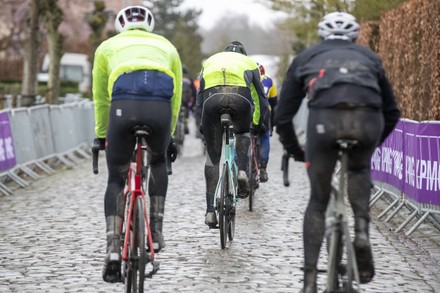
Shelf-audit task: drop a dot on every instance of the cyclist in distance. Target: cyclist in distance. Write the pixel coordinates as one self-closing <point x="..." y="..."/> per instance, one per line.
<point x="271" y="94"/>
<point x="188" y="95"/>
<point x="137" y="78"/>
<point x="350" y="98"/>
<point x="229" y="83"/>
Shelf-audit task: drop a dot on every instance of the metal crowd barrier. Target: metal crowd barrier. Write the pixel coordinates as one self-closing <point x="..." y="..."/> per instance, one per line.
<point x="397" y="200"/>
<point x="36" y="140"/>
<point x="406" y="173"/>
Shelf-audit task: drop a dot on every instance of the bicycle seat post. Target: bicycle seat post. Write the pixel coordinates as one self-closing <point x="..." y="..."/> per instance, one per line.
<point x="225" y="122"/>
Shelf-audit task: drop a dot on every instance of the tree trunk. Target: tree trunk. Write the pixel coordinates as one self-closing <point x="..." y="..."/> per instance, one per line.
<point x="53" y="17"/>
<point x="30" y="55"/>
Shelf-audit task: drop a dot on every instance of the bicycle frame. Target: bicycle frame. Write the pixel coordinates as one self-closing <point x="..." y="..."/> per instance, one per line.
<point x="229" y="160"/>
<point x="134" y="190"/>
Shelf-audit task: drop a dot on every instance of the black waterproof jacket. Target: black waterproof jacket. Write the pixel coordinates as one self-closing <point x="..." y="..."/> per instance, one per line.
<point x="333" y="73"/>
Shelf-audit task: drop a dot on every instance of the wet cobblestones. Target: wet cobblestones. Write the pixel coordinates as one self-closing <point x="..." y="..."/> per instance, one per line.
<point x="53" y="237"/>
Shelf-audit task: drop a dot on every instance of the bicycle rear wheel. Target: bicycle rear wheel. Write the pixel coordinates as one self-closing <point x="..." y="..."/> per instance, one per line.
<point x="223" y="209"/>
<point x="144" y="171"/>
<point x="334" y="258"/>
<point x="231" y="216"/>
<point x="137" y="254"/>
<point x="352" y="273"/>
<point x="251" y="180"/>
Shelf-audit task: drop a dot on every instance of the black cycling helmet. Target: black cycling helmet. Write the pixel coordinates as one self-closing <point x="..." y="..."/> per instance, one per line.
<point x="236" y="46"/>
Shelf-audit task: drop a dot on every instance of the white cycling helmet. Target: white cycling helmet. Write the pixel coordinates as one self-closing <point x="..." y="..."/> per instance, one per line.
<point x="338" y="25"/>
<point x="134" y="17"/>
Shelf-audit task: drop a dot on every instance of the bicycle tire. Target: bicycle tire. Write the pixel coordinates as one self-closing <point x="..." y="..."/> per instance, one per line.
<point x="231" y="216"/>
<point x="251" y="180"/>
<point x="334" y="252"/>
<point x="137" y="253"/>
<point x="223" y="223"/>
<point x="351" y="267"/>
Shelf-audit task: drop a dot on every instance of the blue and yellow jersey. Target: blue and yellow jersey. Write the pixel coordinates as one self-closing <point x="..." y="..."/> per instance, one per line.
<point x="270" y="89"/>
<point x="130" y="51"/>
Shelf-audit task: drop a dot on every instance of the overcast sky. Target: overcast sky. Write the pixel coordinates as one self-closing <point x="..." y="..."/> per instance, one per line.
<point x="213" y="10"/>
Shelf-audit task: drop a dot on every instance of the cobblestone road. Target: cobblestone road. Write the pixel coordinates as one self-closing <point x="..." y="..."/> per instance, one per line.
<point x="52" y="237"/>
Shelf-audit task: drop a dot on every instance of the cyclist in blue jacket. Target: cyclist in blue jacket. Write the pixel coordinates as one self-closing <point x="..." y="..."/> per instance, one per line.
<point x="270" y="91"/>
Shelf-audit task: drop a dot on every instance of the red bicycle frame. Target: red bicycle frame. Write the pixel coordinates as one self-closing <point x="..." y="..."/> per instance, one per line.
<point x="133" y="188"/>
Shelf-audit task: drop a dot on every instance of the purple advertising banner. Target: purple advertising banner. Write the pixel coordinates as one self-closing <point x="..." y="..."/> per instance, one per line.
<point x="409" y="160"/>
<point x="387" y="160"/>
<point x="7" y="153"/>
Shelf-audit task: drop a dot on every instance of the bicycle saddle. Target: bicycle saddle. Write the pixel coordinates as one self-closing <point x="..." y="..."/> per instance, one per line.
<point x="225" y="118"/>
<point x="141" y="130"/>
<point x="346" y="144"/>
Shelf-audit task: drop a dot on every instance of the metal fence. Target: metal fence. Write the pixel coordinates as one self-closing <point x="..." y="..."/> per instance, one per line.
<point x="36" y="140"/>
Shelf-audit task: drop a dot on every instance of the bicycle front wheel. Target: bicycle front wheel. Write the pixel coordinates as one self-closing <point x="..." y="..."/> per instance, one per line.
<point x="223" y="214"/>
<point x="137" y="254"/>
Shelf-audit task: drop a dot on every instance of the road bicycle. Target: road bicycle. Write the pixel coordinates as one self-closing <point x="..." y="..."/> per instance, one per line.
<point x="225" y="198"/>
<point x="254" y="171"/>
<point x="342" y="270"/>
<point x="136" y="233"/>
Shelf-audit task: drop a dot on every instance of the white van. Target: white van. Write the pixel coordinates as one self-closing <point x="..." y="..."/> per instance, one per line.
<point x="73" y="67"/>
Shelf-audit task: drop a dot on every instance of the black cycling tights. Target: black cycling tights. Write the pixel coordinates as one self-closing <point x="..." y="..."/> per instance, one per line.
<point x="325" y="126"/>
<point x="124" y="114"/>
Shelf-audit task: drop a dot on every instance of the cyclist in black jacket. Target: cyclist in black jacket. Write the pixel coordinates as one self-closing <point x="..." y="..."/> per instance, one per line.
<point x="350" y="97"/>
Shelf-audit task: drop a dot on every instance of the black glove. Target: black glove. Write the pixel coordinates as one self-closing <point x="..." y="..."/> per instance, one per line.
<point x="258" y="129"/>
<point x="172" y="150"/>
<point x="99" y="144"/>
<point x="296" y="152"/>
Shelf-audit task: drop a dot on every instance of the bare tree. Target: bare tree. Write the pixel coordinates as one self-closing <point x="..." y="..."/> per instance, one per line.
<point x="30" y="55"/>
<point x="52" y="17"/>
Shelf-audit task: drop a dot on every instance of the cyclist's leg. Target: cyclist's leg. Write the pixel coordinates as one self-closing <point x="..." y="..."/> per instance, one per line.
<point x="359" y="184"/>
<point x="322" y="159"/>
<point x="212" y="132"/>
<point x="241" y="118"/>
<point x="118" y="157"/>
<point x="264" y="155"/>
<point x="157" y="115"/>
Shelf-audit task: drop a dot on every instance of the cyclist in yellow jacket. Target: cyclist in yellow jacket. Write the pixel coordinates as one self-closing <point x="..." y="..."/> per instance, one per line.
<point x="229" y="83"/>
<point x="137" y="78"/>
